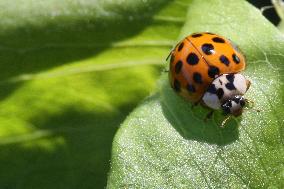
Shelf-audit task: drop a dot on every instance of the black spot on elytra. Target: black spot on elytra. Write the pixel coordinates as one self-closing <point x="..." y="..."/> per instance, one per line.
<point x="177" y="85"/>
<point x="230" y="77"/>
<point x="220" y="81"/>
<point x="218" y="40"/>
<point x="207" y="48"/>
<point x="190" y="88"/>
<point x="178" y="66"/>
<point x="213" y="71"/>
<point x="180" y="46"/>
<point x="197" y="77"/>
<point x="230" y="86"/>
<point x="236" y="58"/>
<point x="220" y="93"/>
<point x="196" y="35"/>
<point x="212" y="89"/>
<point x="224" y="60"/>
<point x="192" y="59"/>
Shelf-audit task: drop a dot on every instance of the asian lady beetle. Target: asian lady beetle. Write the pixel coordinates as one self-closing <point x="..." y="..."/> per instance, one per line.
<point x="204" y="68"/>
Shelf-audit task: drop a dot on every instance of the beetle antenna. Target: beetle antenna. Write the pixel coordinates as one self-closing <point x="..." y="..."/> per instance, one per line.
<point x="252" y="105"/>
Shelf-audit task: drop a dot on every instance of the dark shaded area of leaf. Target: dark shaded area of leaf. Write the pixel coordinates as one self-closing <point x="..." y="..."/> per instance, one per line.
<point x="82" y="152"/>
<point x="32" y="48"/>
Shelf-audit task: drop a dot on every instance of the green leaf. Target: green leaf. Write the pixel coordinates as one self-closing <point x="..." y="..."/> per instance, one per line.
<point x="281" y="26"/>
<point x="71" y="71"/>
<point x="165" y="143"/>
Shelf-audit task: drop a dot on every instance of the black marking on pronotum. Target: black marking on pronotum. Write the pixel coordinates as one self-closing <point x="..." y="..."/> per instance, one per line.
<point x="178" y="66"/>
<point x="230" y="86"/>
<point x="212" y="89"/>
<point x="207" y="48"/>
<point x="220" y="93"/>
<point x="192" y="59"/>
<point x="230" y="77"/>
<point x="220" y="81"/>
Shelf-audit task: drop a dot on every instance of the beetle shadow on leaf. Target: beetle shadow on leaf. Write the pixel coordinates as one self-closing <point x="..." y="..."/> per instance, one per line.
<point x="190" y="121"/>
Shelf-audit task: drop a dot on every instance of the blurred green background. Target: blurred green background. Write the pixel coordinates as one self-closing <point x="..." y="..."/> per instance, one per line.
<point x="71" y="71"/>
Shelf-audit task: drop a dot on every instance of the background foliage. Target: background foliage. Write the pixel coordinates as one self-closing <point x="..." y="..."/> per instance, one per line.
<point x="70" y="73"/>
